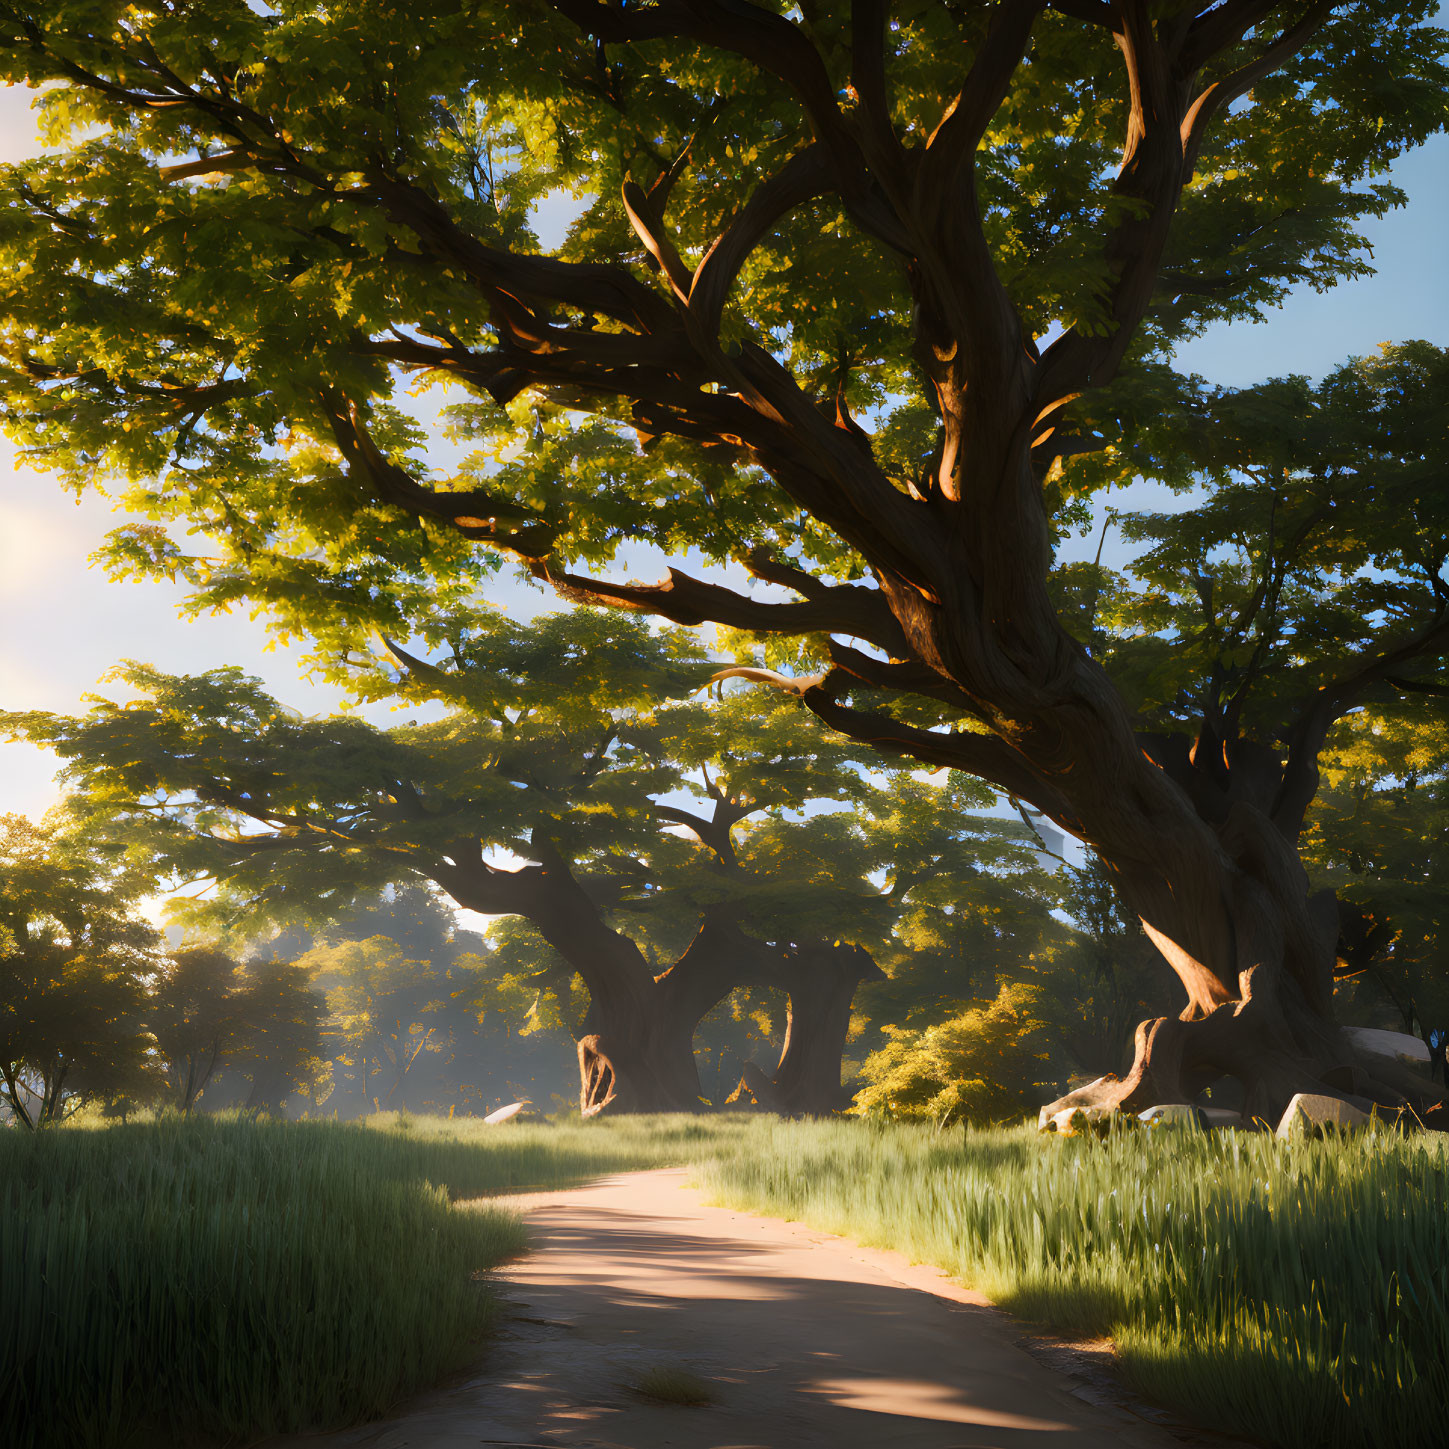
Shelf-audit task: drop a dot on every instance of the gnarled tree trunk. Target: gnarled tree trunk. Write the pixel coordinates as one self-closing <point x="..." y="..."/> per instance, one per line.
<point x="1254" y="948"/>
<point x="636" y="1051"/>
<point x="820" y="983"/>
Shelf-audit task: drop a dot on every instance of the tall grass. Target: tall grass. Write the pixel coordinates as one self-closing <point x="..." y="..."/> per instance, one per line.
<point x="161" y="1281"/>
<point x="166" y="1281"/>
<point x="1294" y="1292"/>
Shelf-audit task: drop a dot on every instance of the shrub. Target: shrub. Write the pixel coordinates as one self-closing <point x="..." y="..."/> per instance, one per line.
<point x="979" y="1067"/>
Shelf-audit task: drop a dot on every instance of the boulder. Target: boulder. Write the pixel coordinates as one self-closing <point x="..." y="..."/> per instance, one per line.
<point x="1172" y="1114"/>
<point x="1079" y="1121"/>
<point x="1215" y="1117"/>
<point x="1312" y="1114"/>
<point x="1398" y="1045"/>
<point x="505" y="1114"/>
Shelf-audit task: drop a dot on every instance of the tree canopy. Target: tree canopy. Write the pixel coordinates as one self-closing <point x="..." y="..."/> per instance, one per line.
<point x="74" y="960"/>
<point x="630" y="834"/>
<point x="857" y="297"/>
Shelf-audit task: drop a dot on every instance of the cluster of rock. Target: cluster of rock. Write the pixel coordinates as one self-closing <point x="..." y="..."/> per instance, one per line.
<point x="1307" y="1115"/>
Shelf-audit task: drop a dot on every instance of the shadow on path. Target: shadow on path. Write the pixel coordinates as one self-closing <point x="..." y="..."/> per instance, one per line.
<point x="805" y="1340"/>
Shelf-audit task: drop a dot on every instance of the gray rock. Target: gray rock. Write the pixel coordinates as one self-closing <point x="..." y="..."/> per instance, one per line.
<point x="1398" y="1045"/>
<point x="1172" y="1114"/>
<point x="1215" y="1117"/>
<point x="1311" y="1114"/>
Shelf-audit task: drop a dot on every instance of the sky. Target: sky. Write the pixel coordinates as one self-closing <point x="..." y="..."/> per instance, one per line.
<point x="66" y="625"/>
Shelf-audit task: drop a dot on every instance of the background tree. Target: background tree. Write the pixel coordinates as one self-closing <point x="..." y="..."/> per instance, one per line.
<point x="383" y="1011"/>
<point x="1376" y="836"/>
<point x="73" y="961"/>
<point x="280" y="1054"/>
<point x="547" y="793"/>
<point x="195" y="1013"/>
<point x="494" y="1038"/>
<point x="997" y="211"/>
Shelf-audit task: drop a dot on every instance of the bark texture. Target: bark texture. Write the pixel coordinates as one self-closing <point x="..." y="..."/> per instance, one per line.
<point x="820" y="982"/>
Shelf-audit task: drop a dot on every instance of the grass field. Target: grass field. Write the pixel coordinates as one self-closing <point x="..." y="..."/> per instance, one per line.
<point x="224" y="1279"/>
<point x="161" y="1281"/>
<point x="1295" y="1293"/>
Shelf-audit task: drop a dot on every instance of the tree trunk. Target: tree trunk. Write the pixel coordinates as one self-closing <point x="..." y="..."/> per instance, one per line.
<point x="637" y="1050"/>
<point x="1201" y="834"/>
<point x="1256" y="951"/>
<point x="820" y="982"/>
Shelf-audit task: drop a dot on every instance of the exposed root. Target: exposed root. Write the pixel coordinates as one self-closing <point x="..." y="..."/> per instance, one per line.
<point x="1276" y="1048"/>
<point x="597" y="1079"/>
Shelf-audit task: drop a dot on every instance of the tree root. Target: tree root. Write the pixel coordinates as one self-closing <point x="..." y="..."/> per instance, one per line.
<point x="1275" y="1048"/>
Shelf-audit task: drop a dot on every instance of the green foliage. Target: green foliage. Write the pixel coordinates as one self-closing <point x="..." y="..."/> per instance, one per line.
<point x="981" y="1066"/>
<point x="1314" y="546"/>
<point x="1376" y="835"/>
<point x="74" y="958"/>
<point x="1294" y="1293"/>
<point x="280" y="1053"/>
<point x="196" y="1013"/>
<point x="382" y="1008"/>
<point x="180" y="329"/>
<point x="552" y="736"/>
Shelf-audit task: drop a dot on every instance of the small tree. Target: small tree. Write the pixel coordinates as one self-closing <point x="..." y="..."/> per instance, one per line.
<point x="985" y="1065"/>
<point x="383" y="1010"/>
<point x="74" y="957"/>
<point x="280" y="1052"/>
<point x="196" y="1015"/>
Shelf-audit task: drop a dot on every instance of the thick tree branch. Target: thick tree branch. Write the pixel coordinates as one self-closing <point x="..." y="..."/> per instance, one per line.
<point x="964" y="304"/>
<point x="986" y="756"/>
<point x="1165" y="129"/>
<point x="841" y="609"/>
<point x="868" y="19"/>
<point x="1241" y="81"/>
<point x="476" y="514"/>
<point x="1332" y="702"/>
<point x="802" y="177"/>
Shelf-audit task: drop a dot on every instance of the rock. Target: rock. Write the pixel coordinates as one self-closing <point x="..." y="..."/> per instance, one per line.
<point x="1055" y="1109"/>
<point x="1215" y="1117"/>
<point x="1312" y="1114"/>
<point x="1080" y="1121"/>
<point x="505" y="1114"/>
<point x="1396" y="1044"/>
<point x="1171" y="1114"/>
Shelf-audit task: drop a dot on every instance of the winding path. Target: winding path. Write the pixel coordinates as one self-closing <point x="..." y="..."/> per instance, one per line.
<point x="809" y="1342"/>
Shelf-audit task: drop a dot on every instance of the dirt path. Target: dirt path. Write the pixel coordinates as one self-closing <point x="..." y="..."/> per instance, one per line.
<point x="807" y="1340"/>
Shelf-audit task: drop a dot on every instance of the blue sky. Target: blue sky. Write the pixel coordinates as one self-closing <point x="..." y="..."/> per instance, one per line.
<point x="66" y="625"/>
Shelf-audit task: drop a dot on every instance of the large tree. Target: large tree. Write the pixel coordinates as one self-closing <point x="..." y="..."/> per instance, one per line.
<point x="1298" y="593"/>
<point x="846" y="291"/>
<point x="648" y="847"/>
